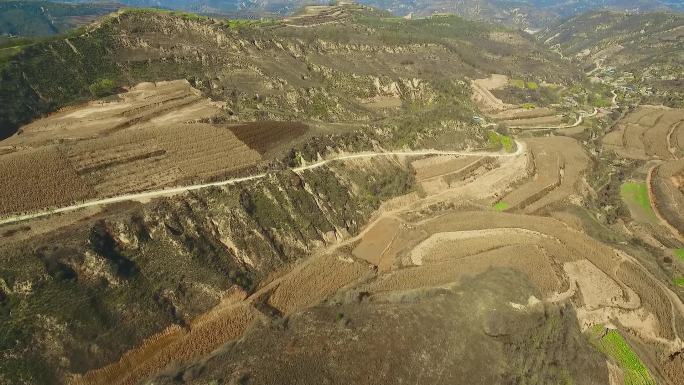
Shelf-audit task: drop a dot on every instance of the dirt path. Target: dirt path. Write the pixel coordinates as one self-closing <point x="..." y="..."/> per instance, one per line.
<point x="147" y="195"/>
<point x="579" y="121"/>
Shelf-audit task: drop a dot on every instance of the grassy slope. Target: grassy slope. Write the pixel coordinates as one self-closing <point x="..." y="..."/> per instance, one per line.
<point x="636" y="195"/>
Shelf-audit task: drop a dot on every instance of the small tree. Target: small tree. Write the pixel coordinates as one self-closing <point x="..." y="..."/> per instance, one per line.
<point x="102" y="87"/>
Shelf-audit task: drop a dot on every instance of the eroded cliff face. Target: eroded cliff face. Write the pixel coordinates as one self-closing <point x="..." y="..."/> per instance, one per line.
<point x="100" y="286"/>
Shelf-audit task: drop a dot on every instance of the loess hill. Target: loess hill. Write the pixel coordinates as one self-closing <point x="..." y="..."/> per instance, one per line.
<point x="524" y="259"/>
<point x="331" y="69"/>
<point x="646" y="46"/>
<point x="101" y="112"/>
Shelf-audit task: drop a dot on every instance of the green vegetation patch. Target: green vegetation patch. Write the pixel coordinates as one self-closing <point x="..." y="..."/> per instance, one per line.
<point x="599" y="101"/>
<point x="102" y="87"/>
<point x="532" y="85"/>
<point x="497" y="140"/>
<point x="679" y="253"/>
<point x="634" y="193"/>
<point x="501" y="206"/>
<point x="529" y="106"/>
<point x="614" y="345"/>
<point x="518" y="83"/>
<point x="679" y="281"/>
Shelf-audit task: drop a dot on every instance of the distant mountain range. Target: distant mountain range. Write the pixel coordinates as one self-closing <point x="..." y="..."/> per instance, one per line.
<point x="37" y="18"/>
<point x="42" y="18"/>
<point x="524" y="13"/>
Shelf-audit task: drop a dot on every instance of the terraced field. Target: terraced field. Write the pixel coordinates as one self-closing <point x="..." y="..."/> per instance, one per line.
<point x="656" y="133"/>
<point x="387" y="230"/>
<point x="523" y="117"/>
<point x="666" y="191"/>
<point x="649" y="132"/>
<point x="556" y="165"/>
<point x="436" y="241"/>
<point x="150" y="137"/>
<point x="47" y="167"/>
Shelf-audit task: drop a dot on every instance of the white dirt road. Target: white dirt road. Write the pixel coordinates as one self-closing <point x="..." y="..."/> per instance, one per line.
<point x="146" y="195"/>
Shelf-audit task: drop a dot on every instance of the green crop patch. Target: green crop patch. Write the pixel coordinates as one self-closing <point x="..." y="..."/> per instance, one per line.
<point x="614" y="345"/>
<point x="679" y="281"/>
<point x="679" y="253"/>
<point x="532" y="85"/>
<point x="501" y="206"/>
<point x="636" y="196"/>
<point x="497" y="140"/>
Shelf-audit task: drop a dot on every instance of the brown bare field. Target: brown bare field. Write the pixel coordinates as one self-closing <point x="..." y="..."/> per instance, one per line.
<point x="315" y="282"/>
<point x="652" y="298"/>
<point x="153" y="136"/>
<point x="157" y="104"/>
<point x="650" y="132"/>
<point x="376" y="241"/>
<point x="528" y="260"/>
<point x="448" y="245"/>
<point x="39" y="178"/>
<point x="269" y="135"/>
<point x="484" y="98"/>
<point x="438" y="173"/>
<point x="523" y="113"/>
<point x="225" y="322"/>
<point x="559" y="163"/>
<point x="156" y="157"/>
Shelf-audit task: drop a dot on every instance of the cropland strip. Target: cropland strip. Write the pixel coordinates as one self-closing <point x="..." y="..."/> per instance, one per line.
<point x="614" y="345"/>
<point x="635" y="195"/>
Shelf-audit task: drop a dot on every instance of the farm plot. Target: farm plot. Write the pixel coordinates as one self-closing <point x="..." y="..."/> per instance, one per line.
<point x="39" y="178"/>
<point x="150" y="137"/>
<point x="376" y="241"/>
<point x="558" y="165"/>
<point x="157" y="104"/>
<point x="648" y="133"/>
<point x="528" y="260"/>
<point x="635" y="195"/>
<point x="523" y="113"/>
<point x="267" y="136"/>
<point x="316" y="281"/>
<point x="482" y="93"/>
<point x="314" y="15"/>
<point x="539" y="121"/>
<point x="666" y="184"/>
<point x="225" y="322"/>
<point x="151" y="157"/>
<point x="440" y="172"/>
<point x="611" y="343"/>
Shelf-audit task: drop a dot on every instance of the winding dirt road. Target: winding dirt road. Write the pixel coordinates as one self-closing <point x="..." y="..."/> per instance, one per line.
<point x="181" y="189"/>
